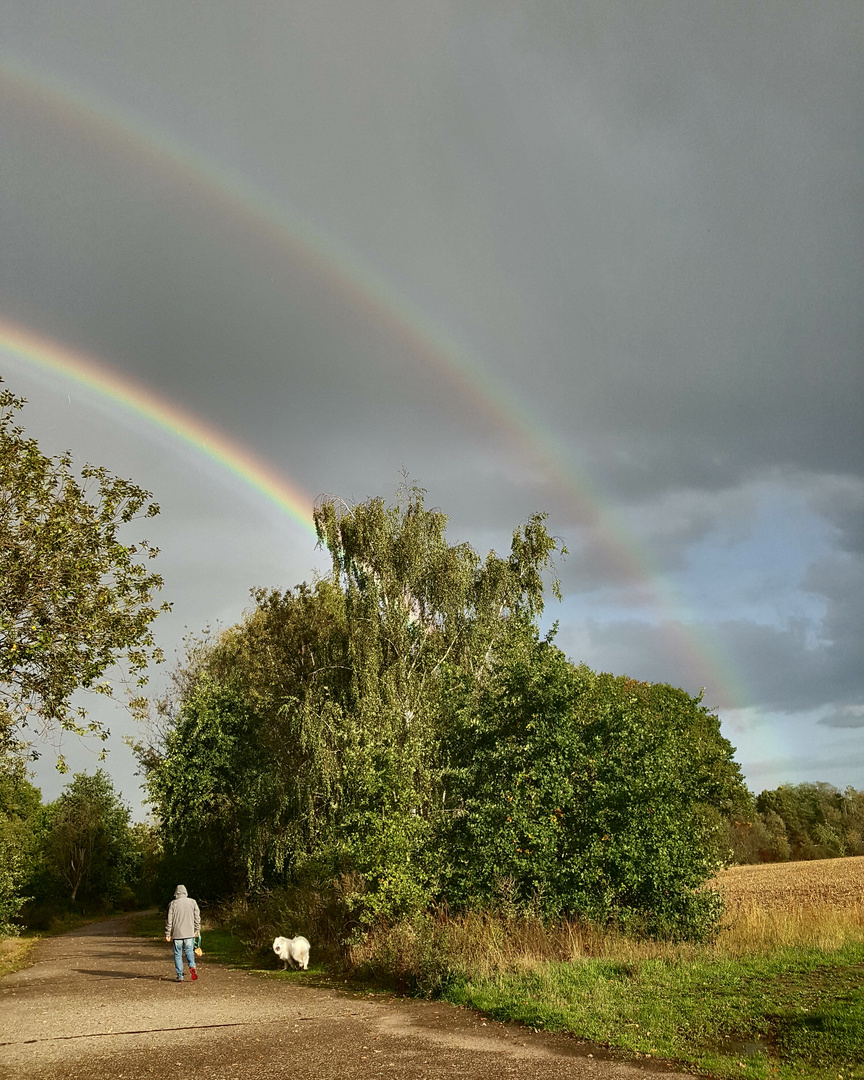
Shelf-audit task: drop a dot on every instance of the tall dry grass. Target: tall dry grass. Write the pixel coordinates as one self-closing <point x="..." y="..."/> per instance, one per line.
<point x="14" y="953"/>
<point x="424" y="951"/>
<point x="774" y="905"/>
<point x="750" y="928"/>
<point x="768" y="908"/>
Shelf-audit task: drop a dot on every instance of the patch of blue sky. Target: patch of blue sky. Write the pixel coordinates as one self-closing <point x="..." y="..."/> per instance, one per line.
<point x="775" y="748"/>
<point x="758" y="577"/>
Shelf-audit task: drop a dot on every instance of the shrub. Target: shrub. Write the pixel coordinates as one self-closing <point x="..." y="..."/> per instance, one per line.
<point x="586" y="795"/>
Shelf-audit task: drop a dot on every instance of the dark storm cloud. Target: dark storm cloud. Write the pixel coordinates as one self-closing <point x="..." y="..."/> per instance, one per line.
<point x="840" y="500"/>
<point x="627" y="547"/>
<point x="678" y="190"/>
<point x="838" y="579"/>
<point x="704" y="272"/>
<point x="656" y="535"/>
<point x="677" y="241"/>
<point x="777" y="669"/>
<point x="648" y="214"/>
<point x="641" y="222"/>
<point x="849" y="716"/>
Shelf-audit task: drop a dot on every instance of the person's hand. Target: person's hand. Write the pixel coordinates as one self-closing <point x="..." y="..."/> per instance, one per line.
<point x="167" y="938"/>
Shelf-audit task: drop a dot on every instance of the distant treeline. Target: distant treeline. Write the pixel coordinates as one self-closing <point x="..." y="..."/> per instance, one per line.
<point x="79" y="853"/>
<point x="800" y="821"/>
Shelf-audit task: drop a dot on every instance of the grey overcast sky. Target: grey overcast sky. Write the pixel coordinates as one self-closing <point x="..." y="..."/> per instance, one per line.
<point x="599" y="259"/>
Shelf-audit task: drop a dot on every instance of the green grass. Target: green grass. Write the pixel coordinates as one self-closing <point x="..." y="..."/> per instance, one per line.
<point x="798" y="1013"/>
<point x="791" y="1012"/>
<point x="15" y="951"/>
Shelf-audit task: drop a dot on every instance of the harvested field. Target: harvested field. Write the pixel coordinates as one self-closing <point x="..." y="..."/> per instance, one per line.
<point x="772" y="905"/>
<point x="820" y="881"/>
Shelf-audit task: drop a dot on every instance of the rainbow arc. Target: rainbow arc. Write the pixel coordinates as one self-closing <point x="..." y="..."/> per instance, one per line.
<point x="362" y="288"/>
<point x="157" y="411"/>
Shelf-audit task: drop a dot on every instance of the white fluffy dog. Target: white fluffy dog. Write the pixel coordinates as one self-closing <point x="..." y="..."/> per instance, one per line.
<point x="292" y="950"/>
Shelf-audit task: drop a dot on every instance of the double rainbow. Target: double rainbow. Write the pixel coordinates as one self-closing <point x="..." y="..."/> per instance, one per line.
<point x="359" y="286"/>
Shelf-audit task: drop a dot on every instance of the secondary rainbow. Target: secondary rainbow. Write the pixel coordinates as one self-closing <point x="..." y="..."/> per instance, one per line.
<point x="140" y="400"/>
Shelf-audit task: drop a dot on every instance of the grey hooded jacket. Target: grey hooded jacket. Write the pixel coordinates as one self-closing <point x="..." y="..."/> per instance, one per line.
<point x="184" y="918"/>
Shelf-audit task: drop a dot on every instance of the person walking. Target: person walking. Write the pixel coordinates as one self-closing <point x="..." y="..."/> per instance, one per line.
<point x="182" y="927"/>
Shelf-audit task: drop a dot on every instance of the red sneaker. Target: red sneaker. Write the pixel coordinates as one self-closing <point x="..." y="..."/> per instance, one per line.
<point x="193" y="973"/>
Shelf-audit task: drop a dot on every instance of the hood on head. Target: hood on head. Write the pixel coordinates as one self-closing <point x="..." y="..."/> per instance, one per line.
<point x="180" y="891"/>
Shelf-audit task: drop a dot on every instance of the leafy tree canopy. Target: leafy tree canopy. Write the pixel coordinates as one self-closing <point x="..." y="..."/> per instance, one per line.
<point x="74" y="597"/>
<point x="398" y="734"/>
<point x="340" y="682"/>
<point x="589" y="794"/>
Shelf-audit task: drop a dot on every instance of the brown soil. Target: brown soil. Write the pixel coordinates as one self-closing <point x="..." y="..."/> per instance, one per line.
<point x="99" y="1002"/>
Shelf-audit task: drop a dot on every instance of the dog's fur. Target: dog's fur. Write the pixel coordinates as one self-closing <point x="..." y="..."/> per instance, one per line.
<point x="292" y="951"/>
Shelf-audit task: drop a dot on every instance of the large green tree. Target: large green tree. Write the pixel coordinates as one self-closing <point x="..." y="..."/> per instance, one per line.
<point x="219" y="793"/>
<point x="75" y="596"/>
<point x="585" y="794"/>
<point x="341" y="684"/>
<point x="416" y="607"/>
<point x="398" y="732"/>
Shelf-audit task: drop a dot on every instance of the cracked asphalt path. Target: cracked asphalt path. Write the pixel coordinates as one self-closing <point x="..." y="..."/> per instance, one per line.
<point x="100" y="1002"/>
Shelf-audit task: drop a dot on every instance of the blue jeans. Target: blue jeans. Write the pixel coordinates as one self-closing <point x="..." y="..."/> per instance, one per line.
<point x="183" y="945"/>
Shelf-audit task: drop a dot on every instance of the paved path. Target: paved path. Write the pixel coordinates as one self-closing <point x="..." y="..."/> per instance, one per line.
<point x="100" y="1003"/>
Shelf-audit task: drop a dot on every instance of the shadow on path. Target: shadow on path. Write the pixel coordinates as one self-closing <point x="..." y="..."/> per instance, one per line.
<point x="59" y="1021"/>
<point x="120" y="974"/>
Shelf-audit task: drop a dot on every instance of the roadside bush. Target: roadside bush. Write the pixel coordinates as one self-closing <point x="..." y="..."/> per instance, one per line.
<point x="20" y="829"/>
<point x="594" y="796"/>
<point x="319" y="914"/>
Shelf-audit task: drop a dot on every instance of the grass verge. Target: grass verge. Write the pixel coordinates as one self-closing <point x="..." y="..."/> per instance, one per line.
<point x="797" y="1013"/>
<point x="771" y="997"/>
<point x="15" y="952"/>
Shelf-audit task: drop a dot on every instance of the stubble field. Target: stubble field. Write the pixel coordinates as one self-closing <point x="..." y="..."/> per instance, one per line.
<point x="839" y="882"/>
<point x="779" y="993"/>
<point x="771" y="905"/>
